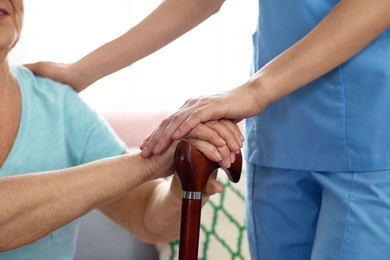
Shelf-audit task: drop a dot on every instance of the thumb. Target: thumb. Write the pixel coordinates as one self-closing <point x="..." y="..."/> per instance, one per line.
<point x="212" y="187"/>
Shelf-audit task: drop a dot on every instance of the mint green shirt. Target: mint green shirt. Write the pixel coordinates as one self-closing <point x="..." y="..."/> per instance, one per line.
<point x="57" y="130"/>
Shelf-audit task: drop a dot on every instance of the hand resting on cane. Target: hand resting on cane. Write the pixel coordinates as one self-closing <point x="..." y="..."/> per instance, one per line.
<point x="168" y="195"/>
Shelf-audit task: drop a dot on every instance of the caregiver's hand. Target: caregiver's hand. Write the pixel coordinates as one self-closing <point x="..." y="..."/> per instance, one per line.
<point x="235" y="105"/>
<point x="65" y="73"/>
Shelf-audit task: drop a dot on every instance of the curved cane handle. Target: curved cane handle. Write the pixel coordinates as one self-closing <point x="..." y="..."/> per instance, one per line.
<point x="193" y="169"/>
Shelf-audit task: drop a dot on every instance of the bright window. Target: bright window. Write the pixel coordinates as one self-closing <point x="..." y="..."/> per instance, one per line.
<point x="213" y="57"/>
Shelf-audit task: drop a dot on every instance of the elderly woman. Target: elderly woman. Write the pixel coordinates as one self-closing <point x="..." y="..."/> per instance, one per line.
<point x="45" y="128"/>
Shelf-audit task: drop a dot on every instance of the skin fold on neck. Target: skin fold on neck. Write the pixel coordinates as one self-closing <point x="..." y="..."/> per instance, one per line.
<point x="10" y="110"/>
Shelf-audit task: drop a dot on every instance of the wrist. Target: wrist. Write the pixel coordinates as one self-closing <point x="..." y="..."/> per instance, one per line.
<point x="149" y="167"/>
<point x="262" y="95"/>
<point x="79" y="76"/>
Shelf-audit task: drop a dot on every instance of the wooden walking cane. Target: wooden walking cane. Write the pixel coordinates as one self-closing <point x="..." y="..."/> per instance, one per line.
<point x="194" y="169"/>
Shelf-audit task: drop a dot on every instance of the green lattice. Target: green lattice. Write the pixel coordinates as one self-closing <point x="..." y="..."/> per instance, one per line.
<point x="218" y="218"/>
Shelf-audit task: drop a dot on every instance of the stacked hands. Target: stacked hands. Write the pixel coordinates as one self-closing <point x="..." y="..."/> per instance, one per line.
<point x="218" y="140"/>
<point x="197" y="117"/>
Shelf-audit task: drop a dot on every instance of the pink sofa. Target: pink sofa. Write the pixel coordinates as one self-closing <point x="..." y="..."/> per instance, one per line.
<point x="134" y="126"/>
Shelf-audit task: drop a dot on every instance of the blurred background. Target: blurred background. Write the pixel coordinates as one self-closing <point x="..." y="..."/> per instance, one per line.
<point x="212" y="57"/>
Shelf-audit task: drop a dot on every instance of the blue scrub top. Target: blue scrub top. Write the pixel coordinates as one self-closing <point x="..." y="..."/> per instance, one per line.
<point x="338" y="122"/>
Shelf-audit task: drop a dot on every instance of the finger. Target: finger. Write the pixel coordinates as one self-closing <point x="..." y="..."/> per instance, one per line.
<point x="206" y="109"/>
<point x="209" y="150"/>
<point x="180" y="123"/>
<point x="45" y="68"/>
<point x="206" y="133"/>
<point x="142" y="145"/>
<point x="226" y="161"/>
<point x="167" y="135"/>
<point x="150" y="142"/>
<point x="162" y="136"/>
<point x="212" y="187"/>
<point x="221" y="154"/>
<point x="36" y="68"/>
<point x="192" y="120"/>
<point x="228" y="131"/>
<point x="236" y="130"/>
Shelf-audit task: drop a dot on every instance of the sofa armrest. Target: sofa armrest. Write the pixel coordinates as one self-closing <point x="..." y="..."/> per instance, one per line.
<point x="133" y="126"/>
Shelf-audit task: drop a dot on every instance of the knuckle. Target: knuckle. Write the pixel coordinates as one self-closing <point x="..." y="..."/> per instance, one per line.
<point x="200" y="129"/>
<point x="176" y="117"/>
<point x="165" y="121"/>
<point x="212" y="123"/>
<point x="197" y="113"/>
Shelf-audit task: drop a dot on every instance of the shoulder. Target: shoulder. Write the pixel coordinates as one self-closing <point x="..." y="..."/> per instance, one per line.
<point x="53" y="96"/>
<point x="45" y="87"/>
<point x="49" y="93"/>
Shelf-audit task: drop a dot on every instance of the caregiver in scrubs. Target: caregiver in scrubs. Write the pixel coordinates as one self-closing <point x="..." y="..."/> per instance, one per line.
<point x="317" y="131"/>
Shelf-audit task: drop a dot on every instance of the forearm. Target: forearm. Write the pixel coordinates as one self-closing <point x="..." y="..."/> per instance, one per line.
<point x="345" y="31"/>
<point x="169" y="21"/>
<point x="39" y="203"/>
<point x="161" y="217"/>
<point x="151" y="212"/>
<point x="165" y="226"/>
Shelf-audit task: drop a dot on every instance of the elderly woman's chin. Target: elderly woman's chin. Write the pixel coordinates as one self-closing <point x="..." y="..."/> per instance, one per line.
<point x="7" y="41"/>
<point x="9" y="36"/>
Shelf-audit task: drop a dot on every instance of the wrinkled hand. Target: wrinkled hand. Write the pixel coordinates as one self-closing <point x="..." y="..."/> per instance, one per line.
<point x="160" y="166"/>
<point x="65" y="73"/>
<point x="235" y="104"/>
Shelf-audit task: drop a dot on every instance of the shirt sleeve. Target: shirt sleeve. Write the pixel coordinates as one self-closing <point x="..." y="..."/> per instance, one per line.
<point x="88" y="133"/>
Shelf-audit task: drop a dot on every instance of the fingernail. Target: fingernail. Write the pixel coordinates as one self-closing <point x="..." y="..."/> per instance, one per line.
<point x="222" y="141"/>
<point x="240" y="144"/>
<point x="218" y="155"/>
<point x="142" y="145"/>
<point x="145" y="151"/>
<point x="228" y="163"/>
<point x="232" y="157"/>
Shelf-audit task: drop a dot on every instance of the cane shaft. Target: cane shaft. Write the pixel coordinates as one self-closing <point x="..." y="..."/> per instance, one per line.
<point x="189" y="229"/>
<point x="193" y="170"/>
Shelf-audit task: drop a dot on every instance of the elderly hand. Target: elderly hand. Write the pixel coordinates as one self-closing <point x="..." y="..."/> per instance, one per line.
<point x="201" y="137"/>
